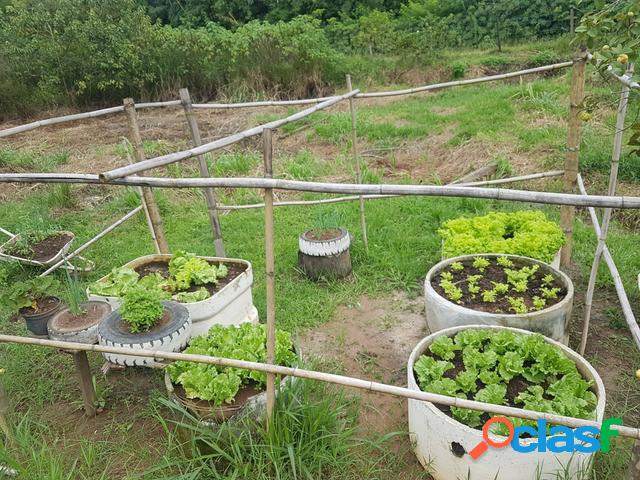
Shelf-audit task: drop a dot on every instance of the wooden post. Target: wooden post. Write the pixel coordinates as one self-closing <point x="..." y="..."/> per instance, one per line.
<point x="4" y="410"/>
<point x="568" y="213"/>
<point x="270" y="267"/>
<point x="147" y="193"/>
<point x="354" y="148"/>
<point x="209" y="195"/>
<point x="606" y="218"/>
<point x="572" y="19"/>
<point x="86" y="382"/>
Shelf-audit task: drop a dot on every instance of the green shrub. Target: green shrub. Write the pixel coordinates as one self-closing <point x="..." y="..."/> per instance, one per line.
<point x="458" y="69"/>
<point x="527" y="233"/>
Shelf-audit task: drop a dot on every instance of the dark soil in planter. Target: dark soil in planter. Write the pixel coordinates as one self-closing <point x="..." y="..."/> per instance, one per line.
<point x="44" y="305"/>
<point x="44" y="249"/>
<point x="162" y="267"/>
<point x="495" y="273"/>
<point x="320" y="235"/>
<point x="92" y="314"/>
<point x="123" y="326"/>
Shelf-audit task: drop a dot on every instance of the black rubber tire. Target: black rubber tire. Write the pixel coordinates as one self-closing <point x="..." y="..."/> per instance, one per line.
<point x="179" y="326"/>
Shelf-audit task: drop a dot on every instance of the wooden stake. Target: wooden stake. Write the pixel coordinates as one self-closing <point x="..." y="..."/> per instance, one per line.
<point x="209" y="195"/>
<point x="354" y="148"/>
<point x="267" y="145"/>
<point x="634" y="466"/>
<point x="147" y="193"/>
<point x="606" y="219"/>
<point x="568" y="213"/>
<point x="86" y="382"/>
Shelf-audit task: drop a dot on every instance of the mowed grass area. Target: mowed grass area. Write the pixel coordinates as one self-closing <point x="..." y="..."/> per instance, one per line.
<point x="129" y="437"/>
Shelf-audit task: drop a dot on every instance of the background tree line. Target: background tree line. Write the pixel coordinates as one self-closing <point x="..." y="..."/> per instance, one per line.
<point x="80" y="52"/>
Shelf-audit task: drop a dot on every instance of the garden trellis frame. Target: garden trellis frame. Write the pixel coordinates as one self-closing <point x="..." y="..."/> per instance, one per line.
<point x="568" y="200"/>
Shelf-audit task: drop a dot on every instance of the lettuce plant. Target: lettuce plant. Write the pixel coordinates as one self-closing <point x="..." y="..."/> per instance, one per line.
<point x="528" y="233"/>
<point x="141" y="308"/>
<point x="495" y="358"/>
<point x="220" y="385"/>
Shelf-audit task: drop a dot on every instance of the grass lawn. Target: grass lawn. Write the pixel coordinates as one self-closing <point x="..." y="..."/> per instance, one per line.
<point x="415" y="139"/>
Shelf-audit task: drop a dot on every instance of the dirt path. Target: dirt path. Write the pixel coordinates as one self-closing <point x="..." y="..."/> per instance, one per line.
<point x="373" y="340"/>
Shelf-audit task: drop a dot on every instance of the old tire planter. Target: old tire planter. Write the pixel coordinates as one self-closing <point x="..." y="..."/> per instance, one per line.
<point x="83" y="330"/>
<point x="37" y="322"/>
<point x="329" y="258"/>
<point x="231" y="305"/>
<point x="552" y="322"/>
<point x="170" y="337"/>
<point x="436" y="436"/>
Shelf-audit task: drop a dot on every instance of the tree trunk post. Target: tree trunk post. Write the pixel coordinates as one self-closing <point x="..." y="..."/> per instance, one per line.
<point x="147" y="193"/>
<point x="209" y="194"/>
<point x="356" y="160"/>
<point x="267" y="145"/>
<point x="568" y="213"/>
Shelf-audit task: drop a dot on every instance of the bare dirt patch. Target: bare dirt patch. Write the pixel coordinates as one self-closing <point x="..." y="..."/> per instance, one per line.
<point x="373" y="340"/>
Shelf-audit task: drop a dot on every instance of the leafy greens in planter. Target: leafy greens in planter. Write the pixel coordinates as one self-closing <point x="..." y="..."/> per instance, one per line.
<point x="185" y="271"/>
<point x="221" y="384"/>
<point x="142" y="308"/>
<point x="527" y="233"/>
<point x="504" y="368"/>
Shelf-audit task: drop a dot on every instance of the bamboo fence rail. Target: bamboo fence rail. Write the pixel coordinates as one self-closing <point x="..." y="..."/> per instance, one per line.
<point x="368" y="385"/>
<point x="548" y="198"/>
<point x="218" y="144"/>
<point x="275" y="103"/>
<point x="613" y="269"/>
<point x="287" y="203"/>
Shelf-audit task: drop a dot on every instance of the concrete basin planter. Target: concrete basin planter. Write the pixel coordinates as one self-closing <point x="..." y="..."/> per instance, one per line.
<point x="325" y="253"/>
<point x="170" y="334"/>
<point x="551" y="320"/>
<point x="67" y="327"/>
<point x="443" y="444"/>
<point x="230" y="304"/>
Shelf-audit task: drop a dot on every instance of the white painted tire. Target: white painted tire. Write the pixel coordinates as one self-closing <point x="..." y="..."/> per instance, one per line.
<point x="171" y="338"/>
<point x="324" y="248"/>
<point x="552" y="322"/>
<point x="433" y="433"/>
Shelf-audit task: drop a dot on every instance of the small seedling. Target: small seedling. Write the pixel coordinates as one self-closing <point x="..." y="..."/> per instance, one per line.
<point x="548" y="280"/>
<point x="517" y="305"/>
<point x="504" y="262"/>
<point x="500" y="288"/>
<point x="489" y="296"/>
<point x="446" y="276"/>
<point x="457" y="266"/>
<point x="550" y="293"/>
<point x="451" y="291"/>
<point x="480" y="263"/>
<point x="539" y="303"/>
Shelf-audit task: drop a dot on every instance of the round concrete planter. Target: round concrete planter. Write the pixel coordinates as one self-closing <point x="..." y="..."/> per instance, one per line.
<point x="231" y="305"/>
<point x="551" y="322"/>
<point x="328" y="258"/>
<point x="83" y="329"/>
<point x="442" y="444"/>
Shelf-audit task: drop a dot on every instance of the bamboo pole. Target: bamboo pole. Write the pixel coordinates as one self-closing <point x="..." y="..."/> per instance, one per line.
<point x="553" y="173"/>
<point x="267" y="145"/>
<point x="606" y="218"/>
<point x="503" y="194"/>
<point x="218" y="144"/>
<point x="615" y="274"/>
<point x="90" y="242"/>
<point x="356" y="161"/>
<point x="275" y="103"/>
<point x="367" y="385"/>
<point x="209" y="194"/>
<point x="567" y="213"/>
<point x="147" y="194"/>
